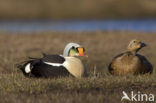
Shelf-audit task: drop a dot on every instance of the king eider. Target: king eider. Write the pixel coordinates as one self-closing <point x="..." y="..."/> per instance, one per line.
<point x="131" y="62"/>
<point x="57" y="65"/>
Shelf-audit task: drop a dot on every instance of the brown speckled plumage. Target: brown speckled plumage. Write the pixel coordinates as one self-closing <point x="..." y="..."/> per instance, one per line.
<point x="130" y="62"/>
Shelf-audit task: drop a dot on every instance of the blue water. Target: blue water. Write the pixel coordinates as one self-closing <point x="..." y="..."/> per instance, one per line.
<point x="104" y="25"/>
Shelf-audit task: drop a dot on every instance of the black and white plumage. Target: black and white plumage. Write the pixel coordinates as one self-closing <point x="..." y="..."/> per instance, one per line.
<point x="48" y="66"/>
<point x="55" y="65"/>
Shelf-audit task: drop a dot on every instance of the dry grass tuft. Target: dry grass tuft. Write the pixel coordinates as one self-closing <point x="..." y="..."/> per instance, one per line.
<point x="99" y="87"/>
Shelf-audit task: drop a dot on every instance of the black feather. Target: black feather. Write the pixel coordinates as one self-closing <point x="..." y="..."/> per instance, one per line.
<point x="40" y="69"/>
<point x="53" y="58"/>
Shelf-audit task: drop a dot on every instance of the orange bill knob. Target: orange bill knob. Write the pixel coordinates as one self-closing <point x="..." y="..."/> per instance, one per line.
<point x="81" y="51"/>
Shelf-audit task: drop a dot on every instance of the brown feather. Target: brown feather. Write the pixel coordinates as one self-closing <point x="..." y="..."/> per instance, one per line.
<point x="130" y="63"/>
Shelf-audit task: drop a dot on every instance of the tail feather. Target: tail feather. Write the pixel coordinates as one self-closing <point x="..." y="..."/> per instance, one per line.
<point x="22" y="65"/>
<point x="32" y="58"/>
<point x="44" y="54"/>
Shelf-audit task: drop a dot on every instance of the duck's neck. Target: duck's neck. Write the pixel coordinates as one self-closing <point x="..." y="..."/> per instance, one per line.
<point x="133" y="52"/>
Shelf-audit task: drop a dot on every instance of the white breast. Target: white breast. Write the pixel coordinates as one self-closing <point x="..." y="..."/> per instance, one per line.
<point x="75" y="66"/>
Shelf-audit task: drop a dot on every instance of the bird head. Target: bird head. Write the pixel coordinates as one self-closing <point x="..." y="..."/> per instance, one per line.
<point x="73" y="49"/>
<point x="135" y="45"/>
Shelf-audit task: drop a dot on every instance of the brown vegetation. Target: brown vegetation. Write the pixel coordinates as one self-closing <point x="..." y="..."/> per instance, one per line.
<point x="99" y="87"/>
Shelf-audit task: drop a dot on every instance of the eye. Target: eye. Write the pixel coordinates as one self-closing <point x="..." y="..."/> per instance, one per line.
<point x="73" y="47"/>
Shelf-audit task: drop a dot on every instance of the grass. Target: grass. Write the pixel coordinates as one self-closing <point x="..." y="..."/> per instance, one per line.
<point x="99" y="87"/>
<point x="73" y="9"/>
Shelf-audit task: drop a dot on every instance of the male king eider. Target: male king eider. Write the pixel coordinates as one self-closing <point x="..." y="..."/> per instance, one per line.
<point x="57" y="65"/>
<point x="130" y="62"/>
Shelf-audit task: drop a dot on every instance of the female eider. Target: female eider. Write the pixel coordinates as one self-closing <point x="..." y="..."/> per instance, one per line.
<point x="130" y="62"/>
<point x="57" y="65"/>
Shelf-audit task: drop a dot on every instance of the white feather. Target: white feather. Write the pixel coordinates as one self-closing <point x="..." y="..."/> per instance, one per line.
<point x="54" y="64"/>
<point x="27" y="68"/>
<point x="68" y="47"/>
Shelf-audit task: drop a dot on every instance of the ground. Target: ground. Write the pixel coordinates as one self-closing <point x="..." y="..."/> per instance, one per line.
<point x="98" y="87"/>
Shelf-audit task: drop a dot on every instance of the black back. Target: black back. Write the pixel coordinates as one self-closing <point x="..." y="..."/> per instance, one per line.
<point x="53" y="58"/>
<point x="44" y="70"/>
<point x="40" y="69"/>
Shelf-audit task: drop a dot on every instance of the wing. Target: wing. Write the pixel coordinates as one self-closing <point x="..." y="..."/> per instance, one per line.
<point x="53" y="59"/>
<point x="44" y="70"/>
<point x="50" y="66"/>
<point x="39" y="67"/>
<point x="146" y="64"/>
<point x="110" y="68"/>
<point x="22" y="66"/>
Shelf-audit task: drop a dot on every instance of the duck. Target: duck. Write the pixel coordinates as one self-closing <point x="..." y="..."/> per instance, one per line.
<point x="130" y="62"/>
<point x="57" y="65"/>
